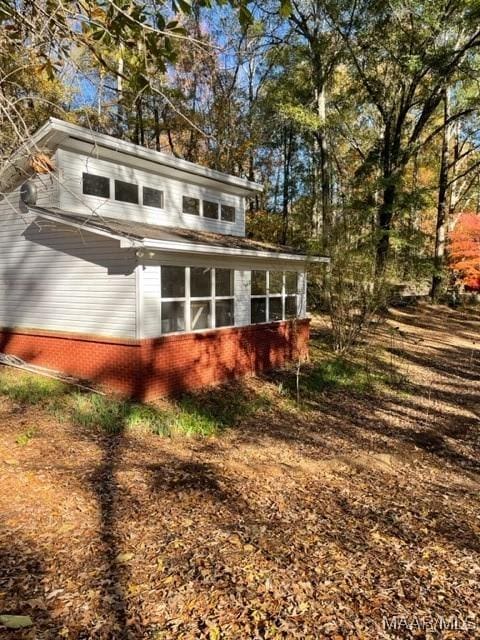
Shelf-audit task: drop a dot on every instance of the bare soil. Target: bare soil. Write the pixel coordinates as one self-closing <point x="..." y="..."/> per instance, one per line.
<point x="324" y="521"/>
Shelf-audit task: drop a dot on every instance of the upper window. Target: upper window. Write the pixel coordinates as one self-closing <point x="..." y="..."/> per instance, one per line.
<point x="191" y="205"/>
<point x="228" y="213"/>
<point x="126" y="192"/>
<point x="93" y="185"/>
<point x="152" y="197"/>
<point x="210" y="209"/>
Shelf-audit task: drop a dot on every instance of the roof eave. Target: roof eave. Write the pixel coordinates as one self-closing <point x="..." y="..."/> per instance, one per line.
<point x="172" y="246"/>
<point x="162" y="159"/>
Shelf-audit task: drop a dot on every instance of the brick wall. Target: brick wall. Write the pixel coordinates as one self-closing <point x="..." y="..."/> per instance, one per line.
<point x="146" y="369"/>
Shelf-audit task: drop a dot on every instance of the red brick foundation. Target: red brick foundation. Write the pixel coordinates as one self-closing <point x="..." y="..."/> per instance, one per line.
<point x="145" y="369"/>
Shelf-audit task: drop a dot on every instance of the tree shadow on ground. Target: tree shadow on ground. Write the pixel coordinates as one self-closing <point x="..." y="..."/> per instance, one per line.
<point x="204" y="525"/>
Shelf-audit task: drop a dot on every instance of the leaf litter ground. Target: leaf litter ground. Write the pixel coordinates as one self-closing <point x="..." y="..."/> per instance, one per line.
<point x="338" y="519"/>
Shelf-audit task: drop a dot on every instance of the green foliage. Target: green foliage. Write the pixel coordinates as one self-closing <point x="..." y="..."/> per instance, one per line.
<point x="196" y="414"/>
<point x="25" y="437"/>
<point x="30" y="389"/>
<point x="339" y="374"/>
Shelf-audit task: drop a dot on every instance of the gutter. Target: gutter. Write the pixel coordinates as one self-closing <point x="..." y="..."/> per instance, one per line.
<point x="171" y="246"/>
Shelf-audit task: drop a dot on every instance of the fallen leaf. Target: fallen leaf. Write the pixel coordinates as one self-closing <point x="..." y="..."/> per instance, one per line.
<point x="15" y="622"/>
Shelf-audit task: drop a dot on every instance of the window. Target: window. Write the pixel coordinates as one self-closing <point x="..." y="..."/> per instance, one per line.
<point x="126" y="192"/>
<point x="291" y="291"/>
<point x="259" y="310"/>
<point x="223" y="283"/>
<point x="200" y="287"/>
<point x="228" y="213"/>
<point x="224" y="300"/>
<point x="152" y="198"/>
<point x="273" y="296"/>
<point x="191" y="205"/>
<point x="224" y="313"/>
<point x="173" y="282"/>
<point x="93" y="185"/>
<point x="173" y="316"/>
<point x="173" y="299"/>
<point x="210" y="209"/>
<point x="259" y="283"/>
<point x="196" y="298"/>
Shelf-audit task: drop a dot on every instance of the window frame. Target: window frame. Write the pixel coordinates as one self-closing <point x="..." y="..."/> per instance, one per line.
<point x="267" y="296"/>
<point x="187" y="213"/>
<point x="232" y="206"/>
<point x="188" y="299"/>
<point x="211" y="201"/>
<point x="153" y="206"/>
<point x="131" y="184"/>
<point x="93" y="195"/>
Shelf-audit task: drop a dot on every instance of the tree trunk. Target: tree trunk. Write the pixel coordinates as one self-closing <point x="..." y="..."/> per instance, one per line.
<point x="389" y="157"/>
<point x="442" y="208"/>
<point x="385" y="216"/>
<point x="287" y="160"/>
<point x="156" y="121"/>
<point x="322" y="175"/>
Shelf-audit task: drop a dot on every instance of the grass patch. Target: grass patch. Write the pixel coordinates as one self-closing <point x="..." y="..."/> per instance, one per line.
<point x="204" y="413"/>
<point x="25" y="437"/>
<point x="340" y="374"/>
<point x="30" y="389"/>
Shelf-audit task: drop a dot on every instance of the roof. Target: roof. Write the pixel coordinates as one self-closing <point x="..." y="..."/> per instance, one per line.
<point x="57" y="132"/>
<point x="137" y="234"/>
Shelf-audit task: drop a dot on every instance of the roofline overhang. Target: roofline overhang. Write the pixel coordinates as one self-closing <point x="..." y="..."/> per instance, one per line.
<point x="58" y="132"/>
<point x="172" y="246"/>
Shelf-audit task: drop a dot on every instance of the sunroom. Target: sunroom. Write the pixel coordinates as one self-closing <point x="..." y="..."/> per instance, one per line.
<point x="201" y="307"/>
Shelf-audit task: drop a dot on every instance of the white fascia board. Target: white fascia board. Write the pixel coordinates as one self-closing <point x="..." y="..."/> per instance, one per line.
<point x="205" y="249"/>
<point x="157" y="157"/>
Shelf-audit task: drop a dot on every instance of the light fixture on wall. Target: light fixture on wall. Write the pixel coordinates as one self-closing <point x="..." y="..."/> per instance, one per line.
<point x="28" y="193"/>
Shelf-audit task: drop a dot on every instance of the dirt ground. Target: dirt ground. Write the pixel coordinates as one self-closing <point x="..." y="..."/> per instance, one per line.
<point x="355" y="517"/>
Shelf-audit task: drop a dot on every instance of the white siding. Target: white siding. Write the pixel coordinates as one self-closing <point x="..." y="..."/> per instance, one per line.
<point x="73" y="163"/>
<point x="242" y="297"/>
<point x="302" y="294"/>
<point x="151" y="301"/>
<point x="56" y="278"/>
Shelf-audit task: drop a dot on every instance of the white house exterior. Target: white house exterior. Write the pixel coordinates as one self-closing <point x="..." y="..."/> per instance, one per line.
<point x="120" y="249"/>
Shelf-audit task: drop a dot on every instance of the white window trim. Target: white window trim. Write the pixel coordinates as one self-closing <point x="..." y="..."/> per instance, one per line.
<point x="283" y="295"/>
<point x="188" y="299"/>
<point x="218" y="201"/>
<point x="152" y="206"/>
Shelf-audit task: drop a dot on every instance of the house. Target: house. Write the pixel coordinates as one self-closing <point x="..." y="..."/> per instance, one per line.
<point x="130" y="267"/>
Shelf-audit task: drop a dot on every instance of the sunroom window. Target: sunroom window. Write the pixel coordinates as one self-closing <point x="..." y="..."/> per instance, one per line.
<point x="273" y="296"/>
<point x="200" y="298"/>
<point x="173" y="299"/>
<point x="196" y="298"/>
